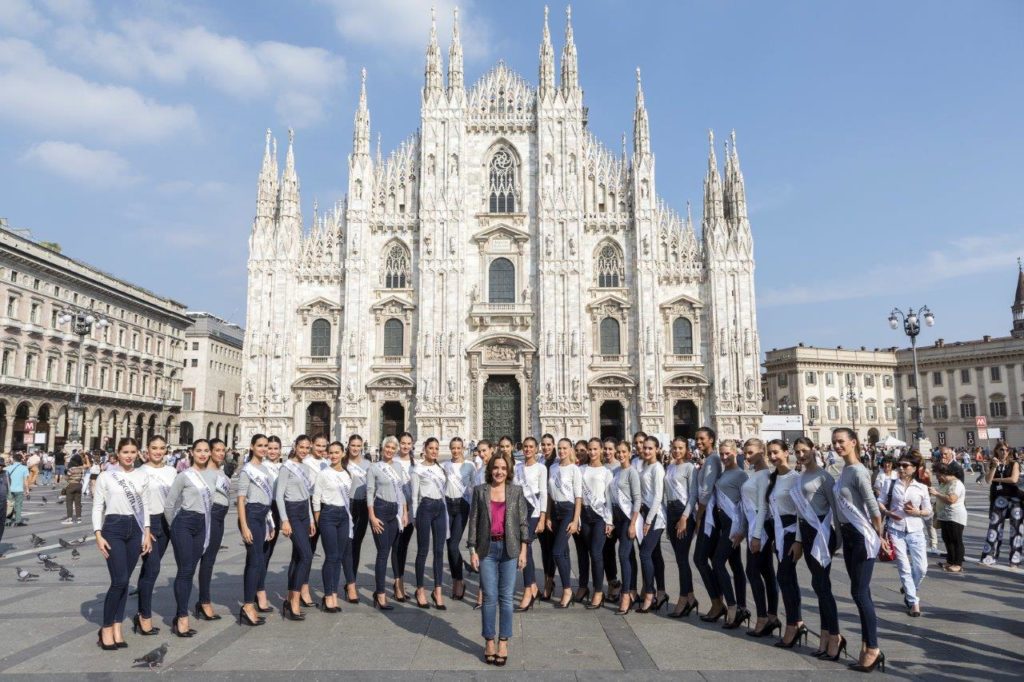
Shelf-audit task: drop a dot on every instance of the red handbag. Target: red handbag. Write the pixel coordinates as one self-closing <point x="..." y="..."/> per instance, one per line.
<point x="883" y="555"/>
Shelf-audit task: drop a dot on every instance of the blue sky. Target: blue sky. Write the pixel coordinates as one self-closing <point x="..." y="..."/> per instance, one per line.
<point x="881" y="142"/>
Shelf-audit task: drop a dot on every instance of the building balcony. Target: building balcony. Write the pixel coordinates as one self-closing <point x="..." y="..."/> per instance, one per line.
<point x="319" y="362"/>
<point x="392" y="363"/>
<point x="505" y="315"/>
<point x="620" y="361"/>
<point x="673" y="361"/>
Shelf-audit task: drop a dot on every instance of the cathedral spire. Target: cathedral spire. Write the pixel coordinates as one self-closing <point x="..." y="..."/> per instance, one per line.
<point x="361" y="128"/>
<point x="570" y="65"/>
<point x="455" y="70"/>
<point x="432" y="74"/>
<point x="641" y="127"/>
<point x="266" y="191"/>
<point x="290" y="210"/>
<point x="712" y="187"/>
<point x="1018" y="304"/>
<point x="547" y="61"/>
<point x="735" y="193"/>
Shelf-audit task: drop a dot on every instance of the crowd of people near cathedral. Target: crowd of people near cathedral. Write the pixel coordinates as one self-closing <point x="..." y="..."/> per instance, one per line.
<point x="738" y="516"/>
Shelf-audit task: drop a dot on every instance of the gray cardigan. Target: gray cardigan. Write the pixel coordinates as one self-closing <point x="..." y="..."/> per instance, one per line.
<point x="516" y="517"/>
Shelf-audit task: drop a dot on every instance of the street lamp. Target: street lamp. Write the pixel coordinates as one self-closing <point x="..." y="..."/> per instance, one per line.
<point x="912" y="327"/>
<point x="81" y="324"/>
<point x="853" y="398"/>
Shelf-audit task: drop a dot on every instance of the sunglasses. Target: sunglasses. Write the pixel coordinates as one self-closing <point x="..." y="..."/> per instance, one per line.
<point x="904" y="465"/>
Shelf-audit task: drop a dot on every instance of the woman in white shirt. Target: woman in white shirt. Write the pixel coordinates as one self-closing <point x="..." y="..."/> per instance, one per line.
<point x="565" y="495"/>
<point x="404" y="462"/>
<point x="652" y="492"/>
<point x="332" y="492"/>
<point x="160" y="477"/>
<point x="458" y="493"/>
<point x="532" y="477"/>
<point x="356" y="465"/>
<point x="760" y="567"/>
<point x="596" y="517"/>
<point x="430" y="516"/>
<point x="906" y="506"/>
<point x="120" y="520"/>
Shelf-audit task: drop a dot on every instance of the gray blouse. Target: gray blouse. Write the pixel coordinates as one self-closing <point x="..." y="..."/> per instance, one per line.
<point x="357" y="470"/>
<point x="185" y="496"/>
<point x="730" y="483"/>
<point x="291" y="488"/>
<point x="816" y="487"/>
<point x="222" y="489"/>
<point x="707" y="477"/>
<point x="379" y="485"/>
<point x="684" y="477"/>
<point x="628" y="481"/>
<point x="251" y="490"/>
<point x="855" y="487"/>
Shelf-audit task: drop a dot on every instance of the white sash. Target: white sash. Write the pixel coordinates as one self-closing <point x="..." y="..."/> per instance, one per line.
<point x="751" y="515"/>
<point x="592" y="500"/>
<point x="345" y="491"/>
<point x="257" y="477"/>
<point x="455" y="478"/>
<point x="780" y="530"/>
<point x="820" y="550"/>
<point x="682" y="494"/>
<point x="207" y="496"/>
<point x="358" y="474"/>
<point x="297" y="471"/>
<point x="396" y="483"/>
<point x="133" y="496"/>
<point x="223" y="484"/>
<point x="431" y="473"/>
<point x="709" y="515"/>
<point x="626" y="504"/>
<point x="731" y="510"/>
<point x="531" y="496"/>
<point x="857" y="518"/>
<point x="560" y="485"/>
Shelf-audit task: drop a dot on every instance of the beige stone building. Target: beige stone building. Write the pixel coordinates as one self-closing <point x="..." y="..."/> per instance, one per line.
<point x="833" y="387"/>
<point x="130" y="372"/>
<point x="212" y="382"/>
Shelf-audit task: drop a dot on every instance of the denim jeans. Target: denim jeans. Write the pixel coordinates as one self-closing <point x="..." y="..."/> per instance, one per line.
<point x="160" y="533"/>
<point x="360" y="519"/>
<point x="497" y="580"/>
<point x="860" y="566"/>
<point x="911" y="560"/>
<point x="592" y="533"/>
<point x="529" y="571"/>
<point x="627" y="553"/>
<point x="821" y="579"/>
<point x="733" y="591"/>
<point x="188" y="531"/>
<point x="652" y="564"/>
<point x="430" y="521"/>
<point x="334" y="525"/>
<point x="458" y="512"/>
<point x="387" y="514"/>
<point x="703" y="552"/>
<point x="124" y="536"/>
<point x="255" y="554"/>
<point x="206" y="564"/>
<point x="681" y="546"/>
<point x="563" y="513"/>
<point x="302" y="545"/>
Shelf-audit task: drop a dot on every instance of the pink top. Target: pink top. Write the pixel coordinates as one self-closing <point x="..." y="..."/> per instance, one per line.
<point x="497" y="518"/>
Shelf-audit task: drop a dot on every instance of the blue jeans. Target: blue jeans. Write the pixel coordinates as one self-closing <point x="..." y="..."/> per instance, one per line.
<point x="386" y="513"/>
<point x="360" y="518"/>
<point x="256" y="553"/>
<point x="458" y="512"/>
<point x="46" y="477"/>
<point x="652" y="565"/>
<point x="592" y="533"/>
<point x="206" y="564"/>
<point x="124" y="536"/>
<point x="911" y="561"/>
<point x="627" y="554"/>
<point x="302" y="545"/>
<point x="150" y="571"/>
<point x="529" y="571"/>
<point x="563" y="513"/>
<point x="430" y="520"/>
<point x="334" y="525"/>
<point x="497" y="580"/>
<point x="188" y="530"/>
<point x="681" y="546"/>
<point x="860" y="567"/>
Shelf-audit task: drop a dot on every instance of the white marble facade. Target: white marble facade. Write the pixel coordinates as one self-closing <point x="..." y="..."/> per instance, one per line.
<point x="501" y="271"/>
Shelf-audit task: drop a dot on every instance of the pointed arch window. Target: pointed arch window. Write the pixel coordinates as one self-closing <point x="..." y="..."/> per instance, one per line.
<point x="502" y="182"/>
<point x="501" y="281"/>
<point x="396" y="268"/>
<point x="610" y="342"/>
<point x="320" y="339"/>
<point x="609" y="267"/>
<point x="394" y="338"/>
<point x="682" y="336"/>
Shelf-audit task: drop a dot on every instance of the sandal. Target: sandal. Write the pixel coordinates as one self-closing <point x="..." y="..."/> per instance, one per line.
<point x="500" y="661"/>
<point x="489" y="659"/>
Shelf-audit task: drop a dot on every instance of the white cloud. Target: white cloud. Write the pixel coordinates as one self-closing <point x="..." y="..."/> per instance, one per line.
<point x="956" y="259"/>
<point x="406" y="23"/>
<point x="19" y="17"/>
<point x="297" y="78"/>
<point x="71" y="10"/>
<point x="51" y="99"/>
<point x="93" y="167"/>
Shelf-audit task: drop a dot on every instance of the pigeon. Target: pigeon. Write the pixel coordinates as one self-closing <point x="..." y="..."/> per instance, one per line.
<point x="64" y="543"/>
<point x="66" y="575"/>
<point x="80" y="541"/>
<point x="44" y="500"/>
<point x="42" y="556"/>
<point x="37" y="541"/>
<point x="24" y="576"/>
<point x="75" y="554"/>
<point x="154" y="658"/>
<point x="51" y="565"/>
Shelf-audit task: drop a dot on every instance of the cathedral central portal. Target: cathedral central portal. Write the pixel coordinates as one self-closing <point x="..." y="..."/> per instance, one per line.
<point x="502" y="402"/>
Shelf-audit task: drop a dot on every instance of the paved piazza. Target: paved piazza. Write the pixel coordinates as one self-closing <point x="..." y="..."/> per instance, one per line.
<point x="972" y="626"/>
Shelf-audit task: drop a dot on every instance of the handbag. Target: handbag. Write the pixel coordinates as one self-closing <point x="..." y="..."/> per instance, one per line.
<point x="884" y="556"/>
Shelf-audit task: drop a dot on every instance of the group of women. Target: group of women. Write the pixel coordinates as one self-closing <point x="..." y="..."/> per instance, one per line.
<point x="613" y="500"/>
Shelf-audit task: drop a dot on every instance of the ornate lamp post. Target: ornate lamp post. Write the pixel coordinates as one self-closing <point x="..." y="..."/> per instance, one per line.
<point x="81" y="322"/>
<point x="853" y="398"/>
<point x="912" y="327"/>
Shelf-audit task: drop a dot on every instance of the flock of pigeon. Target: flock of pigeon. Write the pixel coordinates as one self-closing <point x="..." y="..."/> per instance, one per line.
<point x="49" y="561"/>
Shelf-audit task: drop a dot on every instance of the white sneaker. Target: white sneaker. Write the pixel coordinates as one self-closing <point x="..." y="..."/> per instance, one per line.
<point x="67" y="522"/>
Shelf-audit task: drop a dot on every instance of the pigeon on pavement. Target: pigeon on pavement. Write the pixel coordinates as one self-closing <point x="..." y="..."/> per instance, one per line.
<point x="154" y="658"/>
<point x="64" y="543"/>
<point x="43" y="556"/>
<point x="24" y="576"/>
<point x="51" y="565"/>
<point x="37" y="541"/>
<point x="75" y="554"/>
<point x="44" y="500"/>
<point x="66" y="575"/>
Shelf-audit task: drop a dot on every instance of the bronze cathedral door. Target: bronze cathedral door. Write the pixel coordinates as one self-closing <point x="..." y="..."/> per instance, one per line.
<point x="502" y="400"/>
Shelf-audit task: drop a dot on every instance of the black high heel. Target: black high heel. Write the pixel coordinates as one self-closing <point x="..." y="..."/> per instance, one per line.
<point x="625" y="611"/>
<point x="328" y="609"/>
<point x="174" y="630"/>
<point x="560" y="605"/>
<point x="649" y="609"/>
<point x="244" y="619"/>
<point x="801" y="633"/>
<point x="709" y="618"/>
<point x="286" y="611"/>
<point x="378" y="605"/>
<point x="582" y="595"/>
<point x="137" y="627"/>
<point x="524" y="609"/>
<point x="500" y="661"/>
<point x="769" y="628"/>
<point x="592" y="606"/>
<point x="264" y="609"/>
<point x="306" y="604"/>
<point x="404" y="598"/>
<point x="741" y="616"/>
<point x="201" y="614"/>
<point x="100" y="644"/>
<point x="439" y="607"/>
<point x="489" y="658"/>
<point x="422" y="605"/>
<point x="658" y="603"/>
<point x="120" y="645"/>
<point x="879" y="663"/>
<point x="840" y="652"/>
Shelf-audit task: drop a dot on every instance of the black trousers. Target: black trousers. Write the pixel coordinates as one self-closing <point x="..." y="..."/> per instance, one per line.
<point x="953" y="537"/>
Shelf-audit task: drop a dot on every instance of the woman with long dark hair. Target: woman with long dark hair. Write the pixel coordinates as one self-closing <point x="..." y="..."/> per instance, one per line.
<point x="160" y="478"/>
<point x="385" y="501"/>
<point x="188" y="509"/>
<point x="760" y="565"/>
<point x="431" y="521"/>
<point x="272" y="462"/>
<point x="783" y="530"/>
<point x="404" y="461"/>
<point x="565" y="495"/>
<point x="546" y="536"/>
<point x="204" y="607"/>
<point x="652" y="492"/>
<point x="532" y="477"/>
<point x="120" y="520"/>
<point x="332" y="492"/>
<point x="681" y="499"/>
<point x="292" y="497"/>
<point x="628" y="527"/>
<point x="458" y="492"/>
<point x="863" y="535"/>
<point x="257" y="526"/>
<point x="357" y="466"/>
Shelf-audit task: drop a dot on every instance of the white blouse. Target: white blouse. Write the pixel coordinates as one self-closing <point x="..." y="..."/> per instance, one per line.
<point x="331" y="487"/>
<point x="570" y="477"/>
<point x="534" y="477"/>
<point x="110" y="498"/>
<point x="159" y="482"/>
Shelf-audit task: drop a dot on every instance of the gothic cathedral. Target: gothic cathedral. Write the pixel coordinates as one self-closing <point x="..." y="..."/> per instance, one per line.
<point x="501" y="272"/>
